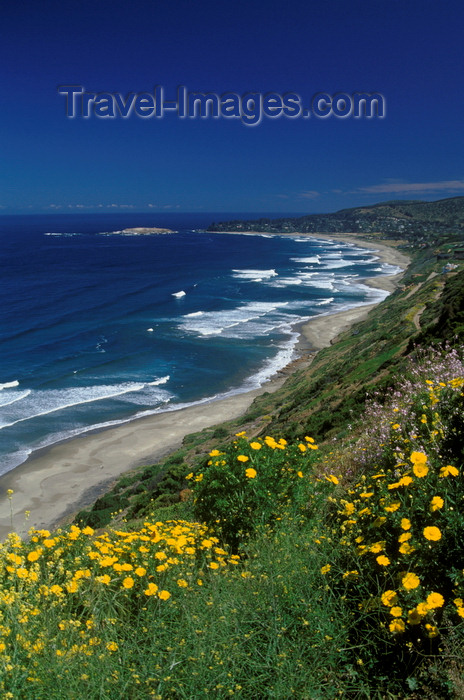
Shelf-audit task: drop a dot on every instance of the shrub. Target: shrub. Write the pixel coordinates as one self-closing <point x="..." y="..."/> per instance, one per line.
<point x="249" y="483"/>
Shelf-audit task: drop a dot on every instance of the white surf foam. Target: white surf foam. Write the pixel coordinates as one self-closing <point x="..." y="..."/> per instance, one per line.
<point x="158" y="382"/>
<point x="323" y="302"/>
<point x="10" y="397"/>
<point x="315" y="259"/>
<point x="9" y="385"/>
<point x="180" y="294"/>
<point x="45" y="401"/>
<point x="254" y="275"/>
<point x="388" y="269"/>
<point x="222" y="322"/>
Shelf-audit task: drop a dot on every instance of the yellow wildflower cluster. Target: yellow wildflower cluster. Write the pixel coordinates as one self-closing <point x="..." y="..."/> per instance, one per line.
<point x="250" y="482"/>
<point x="395" y="525"/>
<point x="73" y="572"/>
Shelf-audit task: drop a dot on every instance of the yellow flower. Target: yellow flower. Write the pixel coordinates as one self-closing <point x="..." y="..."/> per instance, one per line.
<point x="448" y="471"/>
<point x="242" y="434"/>
<point x="349" y="508"/>
<point x="112" y="646"/>
<point x="405" y="524"/>
<point x="333" y="479"/>
<point x="213" y="565"/>
<point x="418" y="458"/>
<point x="164" y="595"/>
<point x="243" y="458"/>
<point x="140" y="571"/>
<point x="420" y="470"/>
<point x="389" y="598"/>
<point x="182" y="583"/>
<point x="34" y="555"/>
<point x="351" y="575"/>
<point x="435" y="600"/>
<point x="422" y="609"/>
<point x="108" y="561"/>
<point x="214" y="453"/>
<point x="432" y="533"/>
<point x="396" y="611"/>
<point x="376" y="547"/>
<point x="404" y="537"/>
<point x="383" y="560"/>
<point x="395" y="426"/>
<point x="300" y="474"/>
<point x="406" y="548"/>
<point x="128" y="582"/>
<point x="302" y="447"/>
<point x="250" y="473"/>
<point x="436" y="503"/>
<point x="255" y="445"/>
<point x="397" y="626"/>
<point x="104" y="579"/>
<point x="325" y="569"/>
<point x="393" y="507"/>
<point x="366" y="494"/>
<point x="151" y="589"/>
<point x="410" y="581"/>
<point x="432" y="630"/>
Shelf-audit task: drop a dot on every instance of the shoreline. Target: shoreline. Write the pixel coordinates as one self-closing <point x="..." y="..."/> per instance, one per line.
<point x="57" y="481"/>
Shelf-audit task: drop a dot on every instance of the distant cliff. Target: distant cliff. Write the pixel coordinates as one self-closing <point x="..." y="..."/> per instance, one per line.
<point x="421" y="222"/>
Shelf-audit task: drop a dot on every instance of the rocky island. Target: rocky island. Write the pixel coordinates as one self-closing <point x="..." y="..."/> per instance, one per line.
<point x="143" y="230"/>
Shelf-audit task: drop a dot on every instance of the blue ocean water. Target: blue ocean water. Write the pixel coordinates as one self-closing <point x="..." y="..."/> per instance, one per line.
<point x="97" y="327"/>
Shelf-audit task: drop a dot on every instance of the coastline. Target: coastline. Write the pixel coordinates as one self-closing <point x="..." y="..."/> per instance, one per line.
<point x="56" y="482"/>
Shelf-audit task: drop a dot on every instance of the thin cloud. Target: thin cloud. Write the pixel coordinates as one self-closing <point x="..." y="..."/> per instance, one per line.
<point x="415" y="187"/>
<point x="309" y="194"/>
<point x="90" y="206"/>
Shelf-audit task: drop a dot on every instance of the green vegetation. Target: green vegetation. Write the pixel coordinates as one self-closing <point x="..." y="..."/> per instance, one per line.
<point x="311" y="549"/>
<point x="424" y="223"/>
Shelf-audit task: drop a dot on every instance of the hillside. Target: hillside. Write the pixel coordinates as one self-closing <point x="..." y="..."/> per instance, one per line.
<point x="421" y="223"/>
<point x="310" y="549"/>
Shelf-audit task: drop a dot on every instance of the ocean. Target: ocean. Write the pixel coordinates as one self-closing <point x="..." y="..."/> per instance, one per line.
<point x="98" y="327"/>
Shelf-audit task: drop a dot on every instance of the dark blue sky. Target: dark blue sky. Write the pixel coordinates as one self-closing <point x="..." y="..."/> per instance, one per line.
<point x="410" y="51"/>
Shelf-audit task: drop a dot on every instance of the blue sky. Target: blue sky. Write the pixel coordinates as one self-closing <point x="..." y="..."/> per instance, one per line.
<point x="409" y="51"/>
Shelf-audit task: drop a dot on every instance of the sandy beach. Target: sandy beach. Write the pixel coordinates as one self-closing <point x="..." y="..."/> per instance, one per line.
<point x="58" y="481"/>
